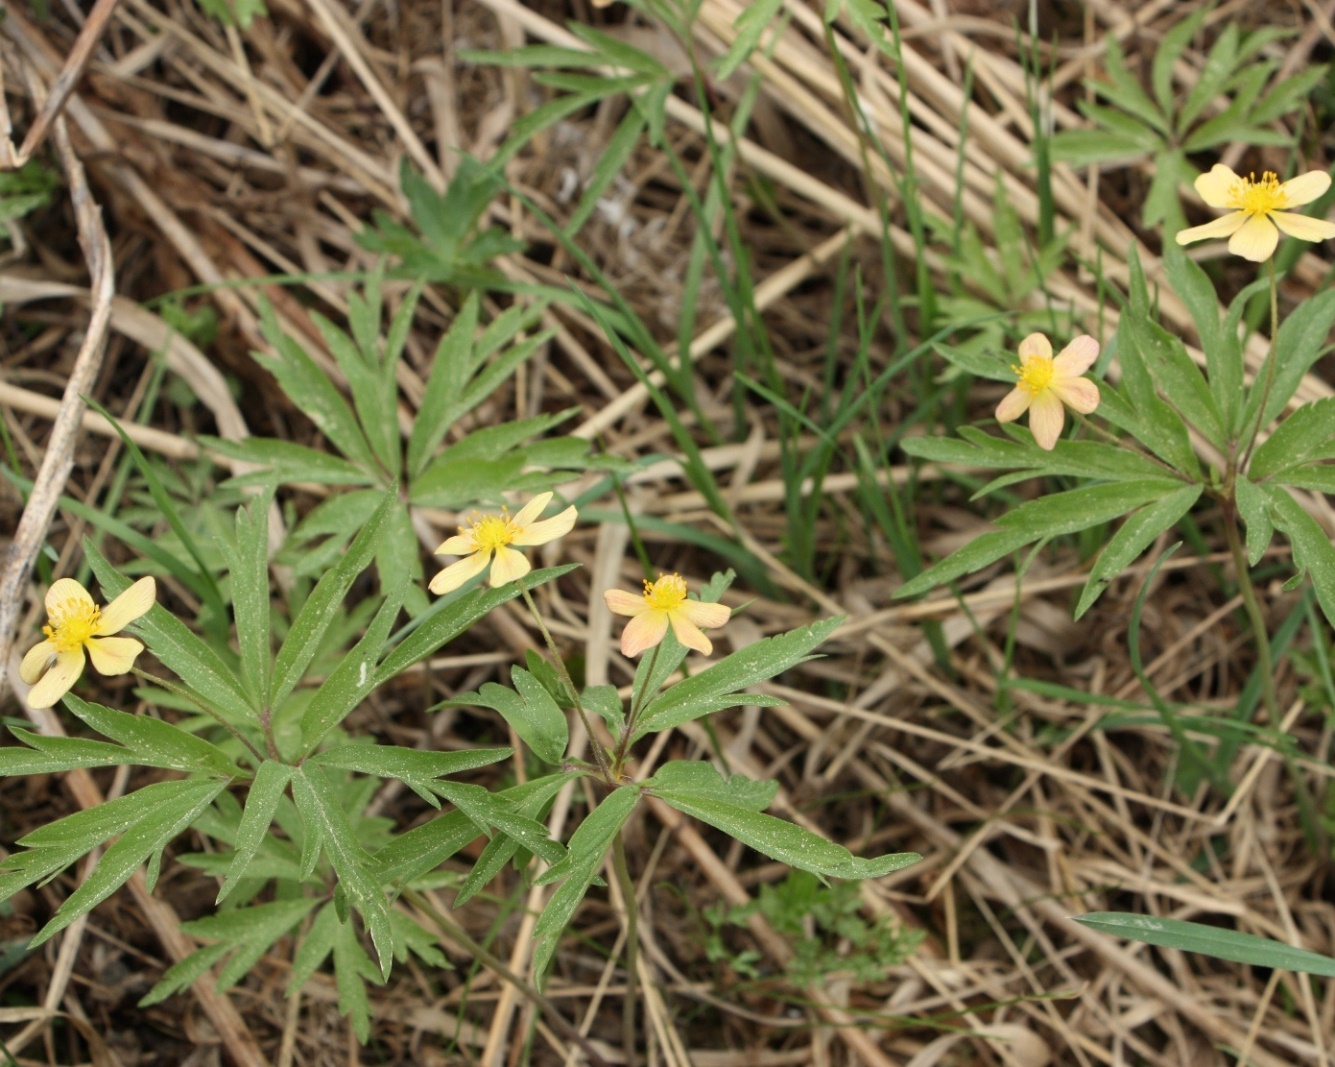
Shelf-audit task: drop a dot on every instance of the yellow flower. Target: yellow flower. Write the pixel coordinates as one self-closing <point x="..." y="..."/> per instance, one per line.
<point x="1257" y="208"/>
<point x="665" y="602"/>
<point x="1046" y="384"/>
<point x="75" y="624"/>
<point x="489" y="535"/>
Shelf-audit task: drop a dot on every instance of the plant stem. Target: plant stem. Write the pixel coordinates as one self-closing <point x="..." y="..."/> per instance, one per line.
<point x="456" y="934"/>
<point x="599" y="755"/>
<point x="632" y="947"/>
<point x="1248" y="591"/>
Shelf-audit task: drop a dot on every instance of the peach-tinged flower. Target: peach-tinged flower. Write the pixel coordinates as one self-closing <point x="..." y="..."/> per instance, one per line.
<point x="76" y="624"/>
<point x="664" y="602"/>
<point x="1257" y="208"/>
<point x="1046" y="384"/>
<point x="489" y="536"/>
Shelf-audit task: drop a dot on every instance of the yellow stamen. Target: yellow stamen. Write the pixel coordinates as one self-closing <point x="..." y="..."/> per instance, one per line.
<point x="1035" y="375"/>
<point x="72" y="623"/>
<point x="1258" y="198"/>
<point x="491" y="531"/>
<point x="667" y="593"/>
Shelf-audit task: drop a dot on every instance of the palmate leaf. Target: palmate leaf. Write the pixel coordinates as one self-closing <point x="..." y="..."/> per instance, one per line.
<point x="1254" y="507"/>
<point x="1206" y="940"/>
<point x="271" y="780"/>
<point x="147" y="821"/>
<point x="584" y="856"/>
<point x="721" y="686"/>
<point x="326" y="828"/>
<point x="284" y="462"/>
<point x="731" y="806"/>
<point x="1048" y="516"/>
<point x="530" y="800"/>
<point x="416" y="768"/>
<point x="1300" y="343"/>
<point x="1306" y="435"/>
<point x="246" y="934"/>
<point x="353" y="968"/>
<point x="248" y="561"/>
<point x="1312" y="550"/>
<point x="325" y="604"/>
<point x="529" y="708"/>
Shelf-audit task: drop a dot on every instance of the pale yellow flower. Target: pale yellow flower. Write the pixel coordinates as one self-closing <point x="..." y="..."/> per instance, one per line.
<point x="489" y="536"/>
<point x="664" y="602"/>
<point x="1257" y="208"/>
<point x="1046" y="384"/>
<point x="75" y="624"/>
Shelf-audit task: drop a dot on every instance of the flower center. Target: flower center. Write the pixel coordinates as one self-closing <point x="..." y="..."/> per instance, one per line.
<point x="72" y="623"/>
<point x="665" y="594"/>
<point x="491" y="532"/>
<point x="1258" y="198"/>
<point x="1035" y="375"/>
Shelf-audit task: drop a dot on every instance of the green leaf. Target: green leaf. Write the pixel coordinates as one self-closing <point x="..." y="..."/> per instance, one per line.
<point x="1048" y="516"/>
<point x="1080" y="148"/>
<point x="978" y="364"/>
<point x="178" y="647"/>
<point x="530" y="711"/>
<point x="1125" y="90"/>
<point x="1299" y="344"/>
<point x="311" y="391"/>
<point x="352" y="970"/>
<point x="266" y="791"/>
<point x="531" y="800"/>
<point x="1136" y="535"/>
<point x="285" y="462"/>
<point x="1077" y="459"/>
<point x="1170" y="50"/>
<point x="323" y="817"/>
<point x="699" y="779"/>
<point x="1312" y="550"/>
<point x="488" y="809"/>
<point x="48" y="755"/>
<point x="602" y="700"/>
<point x="374" y="395"/>
<point x="720" y="686"/>
<point x="325" y="604"/>
<point x="156" y="815"/>
<point x="354" y="677"/>
<point x="1209" y="941"/>
<point x="784" y="841"/>
<point x="1222" y="360"/>
<point x="449" y="618"/>
<point x="750" y="25"/>
<point x="154" y="743"/>
<point x="249" y="564"/>
<point x="247" y="933"/>
<point x="407" y="764"/>
<point x="450" y="371"/>
<point x="584" y="856"/>
<point x="1305" y="435"/>
<point x="1253" y="506"/>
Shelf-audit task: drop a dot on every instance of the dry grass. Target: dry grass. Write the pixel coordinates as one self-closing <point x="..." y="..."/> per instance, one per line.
<point x="217" y="157"/>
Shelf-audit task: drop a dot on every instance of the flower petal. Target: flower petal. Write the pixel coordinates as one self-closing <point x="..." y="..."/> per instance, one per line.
<point x="1077" y="357"/>
<point x="532" y="509"/>
<point x="1303" y="227"/>
<point x="1014" y="404"/>
<point x="1215" y="187"/>
<point x="1305" y="188"/>
<point x="1078" y="394"/>
<point x="539" y="533"/>
<point x="63" y="589"/>
<point x="459" y="572"/>
<point x="619" y="602"/>
<point x="1035" y="345"/>
<point x="689" y="634"/>
<point x="1046" y="418"/>
<point x="643" y="631"/>
<point x="127" y="607"/>
<point x="56" y="682"/>
<point x="1224" y="226"/>
<point x="113" y="655"/>
<point x="458" y="545"/>
<point x="35" y="661"/>
<point x="708" y="616"/>
<point x="1256" y="240"/>
<point x="509" y="565"/>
